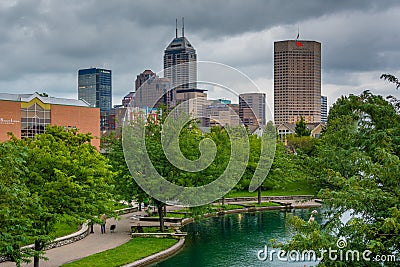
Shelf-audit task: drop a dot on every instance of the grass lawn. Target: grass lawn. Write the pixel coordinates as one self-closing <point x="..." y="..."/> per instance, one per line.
<point x="156" y="229"/>
<point x="63" y="229"/>
<point x="231" y="207"/>
<point x="171" y="215"/>
<point x="119" y="206"/>
<point x="135" y="249"/>
<point x="288" y="189"/>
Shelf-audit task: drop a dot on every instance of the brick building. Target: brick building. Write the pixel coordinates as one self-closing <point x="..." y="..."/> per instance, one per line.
<point x="25" y="115"/>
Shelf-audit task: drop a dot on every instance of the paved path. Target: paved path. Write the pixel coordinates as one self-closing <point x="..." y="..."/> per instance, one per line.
<point x="92" y="244"/>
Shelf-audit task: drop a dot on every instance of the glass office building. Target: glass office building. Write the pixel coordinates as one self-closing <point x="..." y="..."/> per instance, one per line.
<point x="94" y="86"/>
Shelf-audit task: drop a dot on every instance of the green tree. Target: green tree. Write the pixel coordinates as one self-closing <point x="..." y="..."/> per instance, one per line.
<point x="391" y="78"/>
<point x="301" y="128"/>
<point x="15" y="203"/>
<point x="358" y="164"/>
<point x="68" y="177"/>
<point x="125" y="187"/>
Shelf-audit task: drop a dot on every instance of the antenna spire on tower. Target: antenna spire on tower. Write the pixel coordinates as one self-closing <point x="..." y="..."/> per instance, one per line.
<point x="298" y="32"/>
<point x="183" y="27"/>
<point x="176" y="27"/>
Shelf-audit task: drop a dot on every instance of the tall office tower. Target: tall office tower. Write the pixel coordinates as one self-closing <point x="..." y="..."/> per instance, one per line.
<point x="94" y="86"/>
<point x="180" y="66"/>
<point x="252" y="109"/>
<point x="297" y="81"/>
<point x="143" y="77"/>
<point x="324" y="109"/>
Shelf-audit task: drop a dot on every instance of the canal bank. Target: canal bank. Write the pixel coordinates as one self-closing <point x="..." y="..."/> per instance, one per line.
<point x="234" y="239"/>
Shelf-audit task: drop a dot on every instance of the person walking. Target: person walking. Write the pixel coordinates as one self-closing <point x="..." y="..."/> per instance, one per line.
<point x="103" y="218"/>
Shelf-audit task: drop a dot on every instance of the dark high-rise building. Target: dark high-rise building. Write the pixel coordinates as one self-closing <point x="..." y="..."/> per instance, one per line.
<point x="180" y="67"/>
<point x="297" y="81"/>
<point x="94" y="86"/>
<point x="324" y="109"/>
<point x="180" y="64"/>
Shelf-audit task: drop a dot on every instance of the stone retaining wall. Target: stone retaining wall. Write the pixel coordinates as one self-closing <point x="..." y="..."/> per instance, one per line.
<point x="61" y="241"/>
<point x="264" y="198"/>
<point x="126" y="210"/>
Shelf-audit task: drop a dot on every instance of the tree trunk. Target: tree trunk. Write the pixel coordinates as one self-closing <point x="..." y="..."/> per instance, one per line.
<point x="161" y="215"/>
<point x="223" y="200"/>
<point x="36" y="256"/>
<point x="259" y="194"/>
<point x="165" y="210"/>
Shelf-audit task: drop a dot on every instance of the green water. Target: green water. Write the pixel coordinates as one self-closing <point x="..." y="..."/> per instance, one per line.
<point x="234" y="240"/>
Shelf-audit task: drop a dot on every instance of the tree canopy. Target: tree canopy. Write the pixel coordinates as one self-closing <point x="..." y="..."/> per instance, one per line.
<point x="357" y="163"/>
<point x="56" y="174"/>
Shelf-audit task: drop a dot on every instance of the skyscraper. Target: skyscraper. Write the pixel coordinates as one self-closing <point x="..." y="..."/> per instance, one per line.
<point x="180" y="65"/>
<point x="94" y="86"/>
<point x="252" y="109"/>
<point x="324" y="109"/>
<point x="297" y="81"/>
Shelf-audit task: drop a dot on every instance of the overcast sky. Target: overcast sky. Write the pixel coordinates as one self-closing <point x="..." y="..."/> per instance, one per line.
<point x="44" y="43"/>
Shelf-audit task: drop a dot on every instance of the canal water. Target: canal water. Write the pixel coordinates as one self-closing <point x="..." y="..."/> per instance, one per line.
<point x="234" y="240"/>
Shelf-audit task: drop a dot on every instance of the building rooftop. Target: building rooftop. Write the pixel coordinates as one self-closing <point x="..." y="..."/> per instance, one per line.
<point x="45" y="100"/>
<point x="179" y="43"/>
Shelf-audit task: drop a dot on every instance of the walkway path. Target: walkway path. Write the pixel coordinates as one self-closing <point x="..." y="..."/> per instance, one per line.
<point x="92" y="244"/>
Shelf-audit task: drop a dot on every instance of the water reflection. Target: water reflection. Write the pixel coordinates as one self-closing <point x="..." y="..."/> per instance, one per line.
<point x="233" y="240"/>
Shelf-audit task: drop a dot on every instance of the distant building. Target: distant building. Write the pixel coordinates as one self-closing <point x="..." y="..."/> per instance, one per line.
<point x="180" y="63"/>
<point x="127" y="99"/>
<point x="220" y="115"/>
<point x="180" y="67"/>
<point x="285" y="129"/>
<point x="225" y="101"/>
<point x="252" y="109"/>
<point x="192" y="102"/>
<point x="297" y="81"/>
<point x="94" y="86"/>
<point x="26" y="115"/>
<point x="143" y="77"/>
<point x="324" y="109"/>
<point x="153" y="91"/>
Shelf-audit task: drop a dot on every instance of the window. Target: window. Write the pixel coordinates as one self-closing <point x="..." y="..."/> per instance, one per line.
<point x="34" y="120"/>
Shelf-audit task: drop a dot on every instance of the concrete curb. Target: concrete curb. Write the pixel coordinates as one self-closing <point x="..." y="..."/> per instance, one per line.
<point x="158" y="256"/>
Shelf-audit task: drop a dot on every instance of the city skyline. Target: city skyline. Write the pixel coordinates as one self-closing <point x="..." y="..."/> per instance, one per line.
<point x="238" y="35"/>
